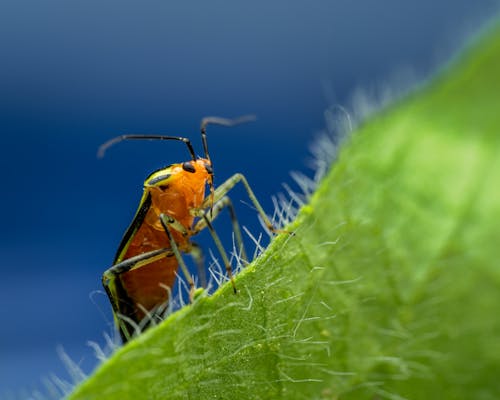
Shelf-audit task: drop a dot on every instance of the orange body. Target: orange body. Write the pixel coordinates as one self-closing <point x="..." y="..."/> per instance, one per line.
<point x="172" y="209"/>
<point x="173" y="191"/>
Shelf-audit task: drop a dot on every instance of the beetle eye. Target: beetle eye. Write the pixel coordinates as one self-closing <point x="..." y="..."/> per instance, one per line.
<point x="188" y="166"/>
<point x="209" y="168"/>
<point x="163" y="187"/>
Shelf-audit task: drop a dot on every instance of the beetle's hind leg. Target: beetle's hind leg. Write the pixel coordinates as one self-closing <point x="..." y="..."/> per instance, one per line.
<point x="124" y="309"/>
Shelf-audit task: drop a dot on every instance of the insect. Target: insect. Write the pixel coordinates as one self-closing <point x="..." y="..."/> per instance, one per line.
<point x="172" y="210"/>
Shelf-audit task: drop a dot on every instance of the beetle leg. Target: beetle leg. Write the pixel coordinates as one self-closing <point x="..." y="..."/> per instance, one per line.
<point x="119" y="299"/>
<point x="166" y="222"/>
<point x="197" y="254"/>
<point x="226" y="186"/>
<point x="222" y="252"/>
<point x="206" y="217"/>
<point x="223" y="203"/>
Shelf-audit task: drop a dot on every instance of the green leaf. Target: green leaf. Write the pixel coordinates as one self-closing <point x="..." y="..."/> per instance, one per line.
<point x="390" y="287"/>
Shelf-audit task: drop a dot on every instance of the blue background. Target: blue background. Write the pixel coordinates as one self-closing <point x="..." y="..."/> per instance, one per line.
<point x="75" y="73"/>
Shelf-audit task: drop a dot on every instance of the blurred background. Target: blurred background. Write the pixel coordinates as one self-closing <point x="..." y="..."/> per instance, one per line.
<point x="76" y="73"/>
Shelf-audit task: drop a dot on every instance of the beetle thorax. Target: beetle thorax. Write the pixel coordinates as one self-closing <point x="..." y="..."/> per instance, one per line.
<point x="181" y="189"/>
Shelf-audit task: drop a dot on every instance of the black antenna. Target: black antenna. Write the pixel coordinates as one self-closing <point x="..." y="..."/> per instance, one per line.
<point x="224" y="122"/>
<point x="112" y="142"/>
<point x="220" y="121"/>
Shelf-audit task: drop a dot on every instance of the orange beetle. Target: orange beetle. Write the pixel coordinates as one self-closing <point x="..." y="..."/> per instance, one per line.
<point x="173" y="208"/>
